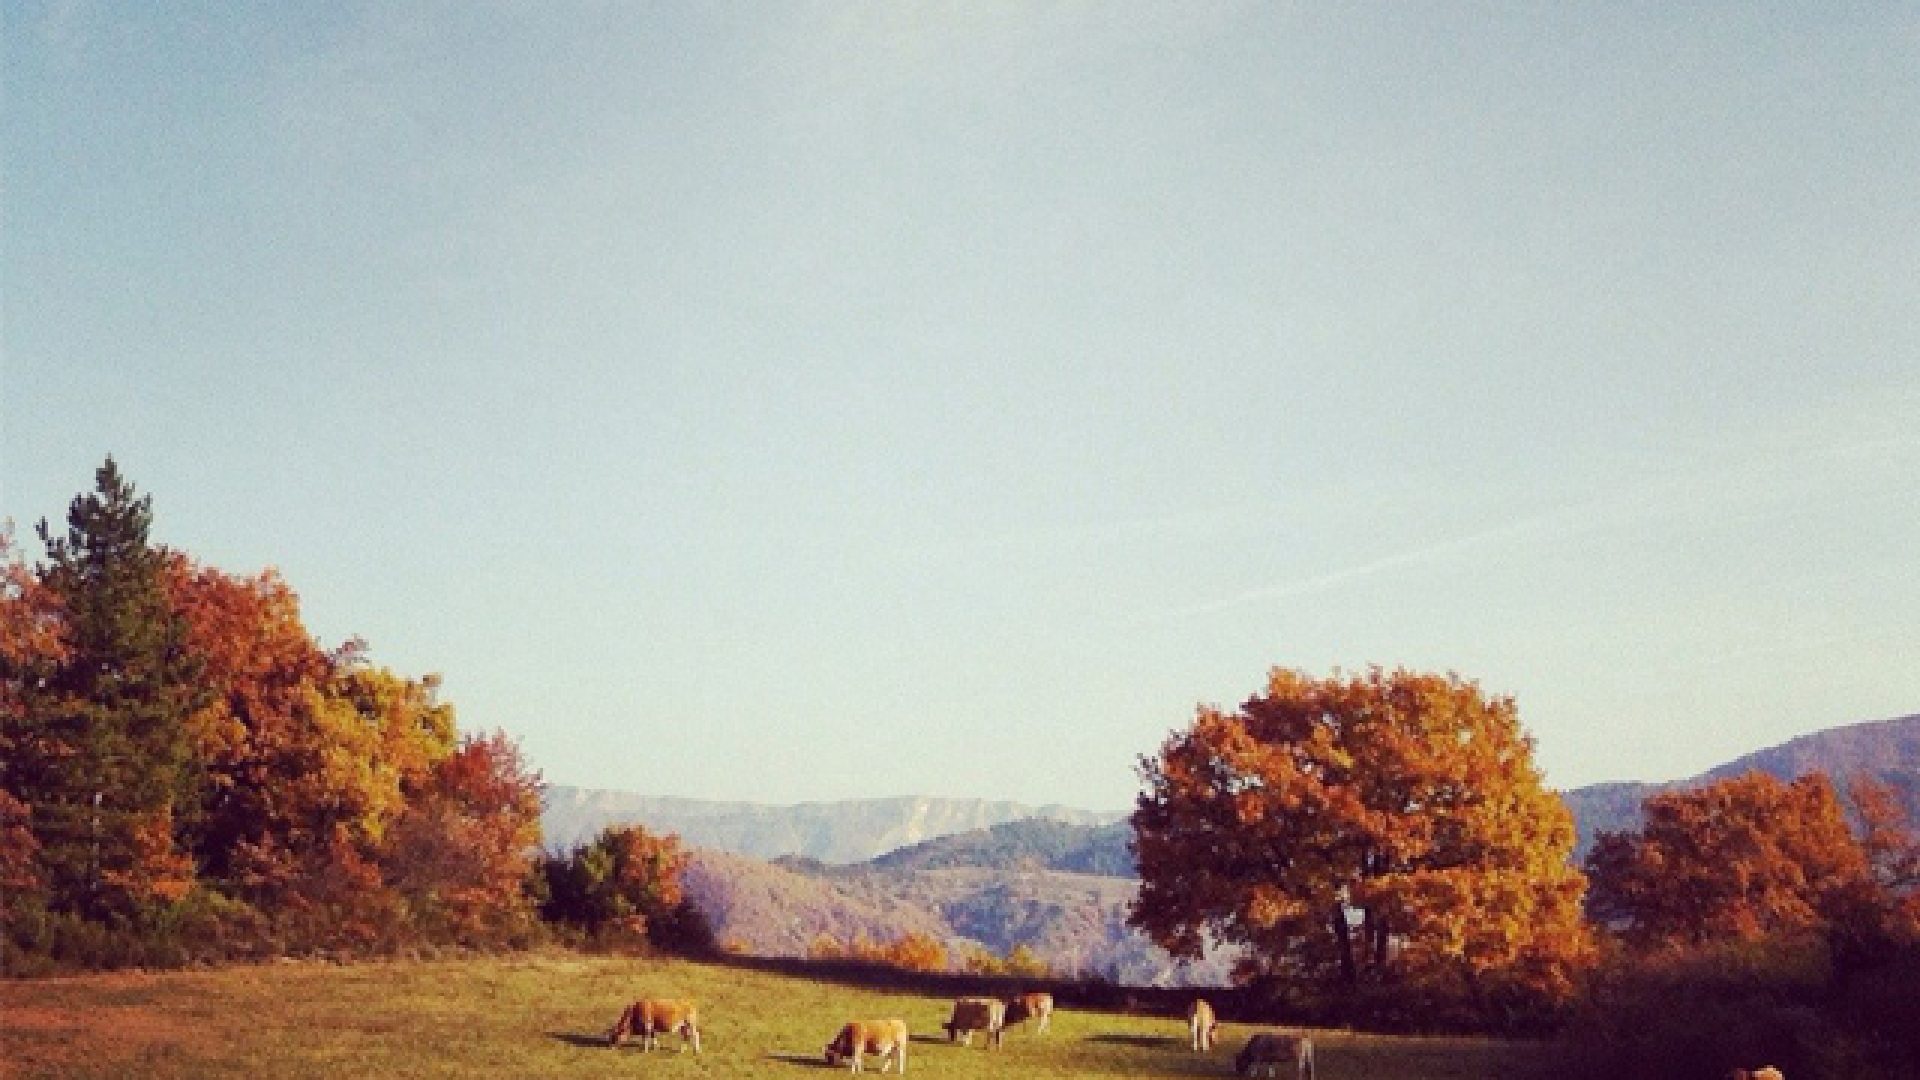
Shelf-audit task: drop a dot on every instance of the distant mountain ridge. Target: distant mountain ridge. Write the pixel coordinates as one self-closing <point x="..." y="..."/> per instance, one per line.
<point x="846" y="831"/>
<point x="1056" y="880"/>
<point x="1032" y="844"/>
<point x="1886" y="750"/>
<point x="1084" y="841"/>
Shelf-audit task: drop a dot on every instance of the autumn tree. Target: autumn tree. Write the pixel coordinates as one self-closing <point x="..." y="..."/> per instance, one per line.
<point x="19" y="851"/>
<point x="1019" y="961"/>
<point x="98" y="740"/>
<point x="1378" y="830"/>
<point x="313" y="760"/>
<point x="29" y="645"/>
<point x="460" y="852"/>
<point x="279" y="750"/>
<point x="617" y="884"/>
<point x="1887" y="840"/>
<point x="911" y="951"/>
<point x="1742" y="859"/>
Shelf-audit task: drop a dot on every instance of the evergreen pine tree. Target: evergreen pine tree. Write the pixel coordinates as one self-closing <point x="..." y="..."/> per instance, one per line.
<point x="102" y="750"/>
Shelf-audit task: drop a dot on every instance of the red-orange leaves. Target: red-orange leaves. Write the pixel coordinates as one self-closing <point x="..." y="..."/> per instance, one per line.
<point x="1745" y="858"/>
<point x="1383" y="828"/>
<point x="460" y="853"/>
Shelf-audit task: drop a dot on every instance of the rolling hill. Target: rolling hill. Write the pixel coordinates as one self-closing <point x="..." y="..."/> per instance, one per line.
<point x="1003" y="899"/>
<point x="846" y="831"/>
<point x="1887" y="750"/>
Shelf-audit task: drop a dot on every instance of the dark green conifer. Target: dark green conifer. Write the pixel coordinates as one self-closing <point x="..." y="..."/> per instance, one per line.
<point x="102" y="750"/>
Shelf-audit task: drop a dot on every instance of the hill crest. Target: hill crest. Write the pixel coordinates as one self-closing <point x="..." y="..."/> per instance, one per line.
<point x="843" y="831"/>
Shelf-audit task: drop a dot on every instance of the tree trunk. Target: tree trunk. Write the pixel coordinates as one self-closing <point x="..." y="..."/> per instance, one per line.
<point x="1343" y="940"/>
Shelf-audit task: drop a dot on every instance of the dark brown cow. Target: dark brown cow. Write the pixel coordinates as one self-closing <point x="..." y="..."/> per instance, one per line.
<point x="884" y="1038"/>
<point x="1268" y="1051"/>
<point x="976" y="1014"/>
<point x="649" y="1017"/>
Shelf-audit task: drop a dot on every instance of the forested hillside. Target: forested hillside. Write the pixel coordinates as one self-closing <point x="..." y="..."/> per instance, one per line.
<point x="984" y="890"/>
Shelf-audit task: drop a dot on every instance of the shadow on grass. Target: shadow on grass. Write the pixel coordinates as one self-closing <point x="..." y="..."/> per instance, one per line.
<point x="811" y="1061"/>
<point x="1071" y="993"/>
<point x="934" y="1040"/>
<point x="1152" y="1042"/>
<point x="574" y="1038"/>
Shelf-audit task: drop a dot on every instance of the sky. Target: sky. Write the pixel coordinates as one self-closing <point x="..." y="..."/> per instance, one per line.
<point x="814" y="401"/>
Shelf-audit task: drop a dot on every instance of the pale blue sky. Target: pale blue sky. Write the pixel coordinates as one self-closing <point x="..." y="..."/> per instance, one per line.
<point x="816" y="401"/>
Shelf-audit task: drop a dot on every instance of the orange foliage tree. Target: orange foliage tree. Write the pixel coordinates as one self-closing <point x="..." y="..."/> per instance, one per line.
<point x="1891" y="849"/>
<point x="29" y="639"/>
<point x="1381" y="830"/>
<point x="911" y="951"/>
<point x="337" y="794"/>
<point x="458" y="854"/>
<point x="276" y="755"/>
<point x="1743" y="859"/>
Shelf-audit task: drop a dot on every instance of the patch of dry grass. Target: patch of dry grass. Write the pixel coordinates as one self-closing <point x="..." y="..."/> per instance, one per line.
<point x="545" y="1014"/>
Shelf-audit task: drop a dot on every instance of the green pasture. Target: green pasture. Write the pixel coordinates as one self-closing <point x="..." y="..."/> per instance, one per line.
<point x="545" y="1015"/>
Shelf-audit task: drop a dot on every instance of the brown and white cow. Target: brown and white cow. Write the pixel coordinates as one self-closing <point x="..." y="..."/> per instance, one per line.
<point x="886" y="1039"/>
<point x="1201" y="1025"/>
<point x="1765" y="1072"/>
<point x="1039" y="1006"/>
<point x="977" y="1014"/>
<point x="649" y="1017"/>
<point x="1270" y="1050"/>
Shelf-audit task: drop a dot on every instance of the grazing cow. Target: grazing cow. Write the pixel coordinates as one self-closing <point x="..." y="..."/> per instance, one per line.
<point x="1039" y="1006"/>
<point x="885" y="1038"/>
<point x="1766" y="1072"/>
<point x="977" y="1014"/>
<point x="649" y="1017"/>
<point x="1269" y="1050"/>
<point x="1201" y="1025"/>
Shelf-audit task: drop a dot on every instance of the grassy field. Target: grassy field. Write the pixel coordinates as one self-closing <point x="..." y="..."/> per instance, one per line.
<point x="546" y="1014"/>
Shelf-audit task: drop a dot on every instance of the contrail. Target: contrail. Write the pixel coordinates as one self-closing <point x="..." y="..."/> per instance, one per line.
<point x="1591" y="515"/>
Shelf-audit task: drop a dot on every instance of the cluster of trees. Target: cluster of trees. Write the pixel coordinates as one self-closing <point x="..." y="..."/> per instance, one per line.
<point x="623" y="887"/>
<point x="1752" y="919"/>
<point x="185" y="771"/>
<point x="1019" y="962"/>
<point x="914" y="951"/>
<point x="1382" y="845"/>
<point x="911" y="951"/>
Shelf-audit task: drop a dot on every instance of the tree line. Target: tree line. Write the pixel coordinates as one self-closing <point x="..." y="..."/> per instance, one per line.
<point x="185" y="772"/>
<point x="1380" y="846"/>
